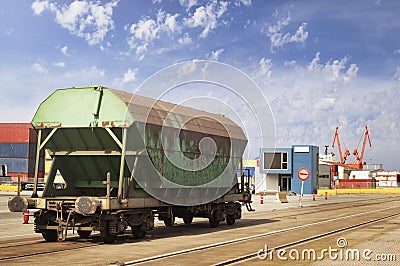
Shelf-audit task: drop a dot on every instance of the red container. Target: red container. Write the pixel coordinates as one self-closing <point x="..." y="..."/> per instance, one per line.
<point x="17" y="133"/>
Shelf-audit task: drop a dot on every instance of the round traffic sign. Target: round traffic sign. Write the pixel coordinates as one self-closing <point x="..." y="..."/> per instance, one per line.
<point x="303" y="174"/>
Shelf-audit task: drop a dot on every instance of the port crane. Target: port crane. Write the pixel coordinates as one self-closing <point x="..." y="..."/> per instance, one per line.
<point x="358" y="156"/>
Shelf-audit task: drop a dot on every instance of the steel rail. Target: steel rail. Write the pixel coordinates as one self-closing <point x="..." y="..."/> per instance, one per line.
<point x="234" y="241"/>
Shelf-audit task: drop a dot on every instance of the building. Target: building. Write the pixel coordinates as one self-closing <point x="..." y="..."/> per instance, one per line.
<point x="282" y="168"/>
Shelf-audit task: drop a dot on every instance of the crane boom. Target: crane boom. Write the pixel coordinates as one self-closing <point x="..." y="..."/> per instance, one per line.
<point x="359" y="157"/>
<point x="343" y="157"/>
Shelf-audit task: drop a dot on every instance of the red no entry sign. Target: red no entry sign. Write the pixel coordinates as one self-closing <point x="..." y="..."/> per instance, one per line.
<point x="303" y="174"/>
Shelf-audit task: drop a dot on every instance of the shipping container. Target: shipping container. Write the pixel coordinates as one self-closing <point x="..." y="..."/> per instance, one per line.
<point x="22" y="165"/>
<point x="17" y="133"/>
<point x="18" y="150"/>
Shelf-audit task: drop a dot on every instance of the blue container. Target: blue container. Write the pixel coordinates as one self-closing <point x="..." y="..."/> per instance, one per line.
<point x="17" y="165"/>
<point x="17" y="150"/>
<point x="21" y="165"/>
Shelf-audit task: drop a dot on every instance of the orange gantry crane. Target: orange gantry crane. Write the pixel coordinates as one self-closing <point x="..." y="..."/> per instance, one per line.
<point x="358" y="157"/>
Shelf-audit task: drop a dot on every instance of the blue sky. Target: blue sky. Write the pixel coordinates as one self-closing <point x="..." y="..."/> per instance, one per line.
<point x="319" y="63"/>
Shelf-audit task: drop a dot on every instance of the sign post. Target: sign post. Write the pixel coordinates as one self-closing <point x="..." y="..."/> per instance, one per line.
<point x="303" y="174"/>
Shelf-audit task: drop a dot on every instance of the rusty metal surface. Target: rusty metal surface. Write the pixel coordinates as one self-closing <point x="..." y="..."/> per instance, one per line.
<point x="158" y="112"/>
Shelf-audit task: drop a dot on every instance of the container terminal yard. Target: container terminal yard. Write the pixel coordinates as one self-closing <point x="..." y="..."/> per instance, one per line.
<point x="97" y="183"/>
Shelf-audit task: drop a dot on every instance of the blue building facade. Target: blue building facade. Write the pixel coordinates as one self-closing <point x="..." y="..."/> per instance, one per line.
<point x="305" y="156"/>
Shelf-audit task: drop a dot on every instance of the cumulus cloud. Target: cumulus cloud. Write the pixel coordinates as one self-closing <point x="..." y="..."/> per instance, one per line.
<point x="146" y="30"/>
<point x="214" y="55"/>
<point x="396" y="75"/>
<point x="128" y="77"/>
<point x="40" y="6"/>
<point x="64" y="49"/>
<point x="243" y="2"/>
<point x="188" y="3"/>
<point x="86" y="19"/>
<point x="59" y="64"/>
<point x="310" y="99"/>
<point x="265" y="71"/>
<point x="278" y="38"/>
<point x="185" y="39"/>
<point x="335" y="70"/>
<point x="39" y="68"/>
<point x="206" y="17"/>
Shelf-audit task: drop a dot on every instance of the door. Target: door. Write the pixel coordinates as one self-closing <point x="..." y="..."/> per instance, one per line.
<point x="285" y="182"/>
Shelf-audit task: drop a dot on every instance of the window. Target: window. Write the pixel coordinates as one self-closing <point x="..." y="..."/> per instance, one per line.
<point x="276" y="161"/>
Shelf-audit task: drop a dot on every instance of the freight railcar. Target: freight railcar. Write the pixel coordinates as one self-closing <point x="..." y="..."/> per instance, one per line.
<point x="127" y="159"/>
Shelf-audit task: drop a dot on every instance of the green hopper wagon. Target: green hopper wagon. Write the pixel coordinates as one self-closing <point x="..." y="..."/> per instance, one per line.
<point x="126" y="159"/>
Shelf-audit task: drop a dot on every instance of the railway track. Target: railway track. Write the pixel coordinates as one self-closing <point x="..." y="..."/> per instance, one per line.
<point x="11" y="252"/>
<point x="336" y="206"/>
<point x="212" y="254"/>
<point x="305" y="240"/>
<point x="15" y="251"/>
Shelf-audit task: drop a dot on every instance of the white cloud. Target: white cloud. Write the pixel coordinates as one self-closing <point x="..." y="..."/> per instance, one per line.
<point x="85" y="19"/>
<point x="64" y="49"/>
<point x="309" y="100"/>
<point x="397" y="74"/>
<point x="146" y="30"/>
<point x="243" y="2"/>
<point x="397" y="51"/>
<point x="334" y="71"/>
<point x="188" y="3"/>
<point x="185" y="39"/>
<point x="290" y="63"/>
<point x="278" y="38"/>
<point x="128" y="77"/>
<point x="206" y="17"/>
<point x="214" y="55"/>
<point x="265" y="69"/>
<point x="39" y="6"/>
<point x="171" y="23"/>
<point x="59" y="64"/>
<point x="141" y="51"/>
<point x="39" y="68"/>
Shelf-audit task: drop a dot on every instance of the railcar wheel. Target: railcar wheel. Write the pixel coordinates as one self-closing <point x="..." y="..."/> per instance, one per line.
<point x="84" y="234"/>
<point x="213" y="220"/>
<point x="138" y="232"/>
<point x="188" y="219"/>
<point x="169" y="221"/>
<point x="108" y="238"/>
<point x="50" y="235"/>
<point x="230" y="220"/>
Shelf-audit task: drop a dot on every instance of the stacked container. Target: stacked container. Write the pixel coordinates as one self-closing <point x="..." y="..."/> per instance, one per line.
<point x="18" y="150"/>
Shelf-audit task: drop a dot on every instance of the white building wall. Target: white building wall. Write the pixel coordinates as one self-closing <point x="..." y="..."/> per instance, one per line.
<point x="266" y="183"/>
<point x="272" y="182"/>
<point x="260" y="183"/>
